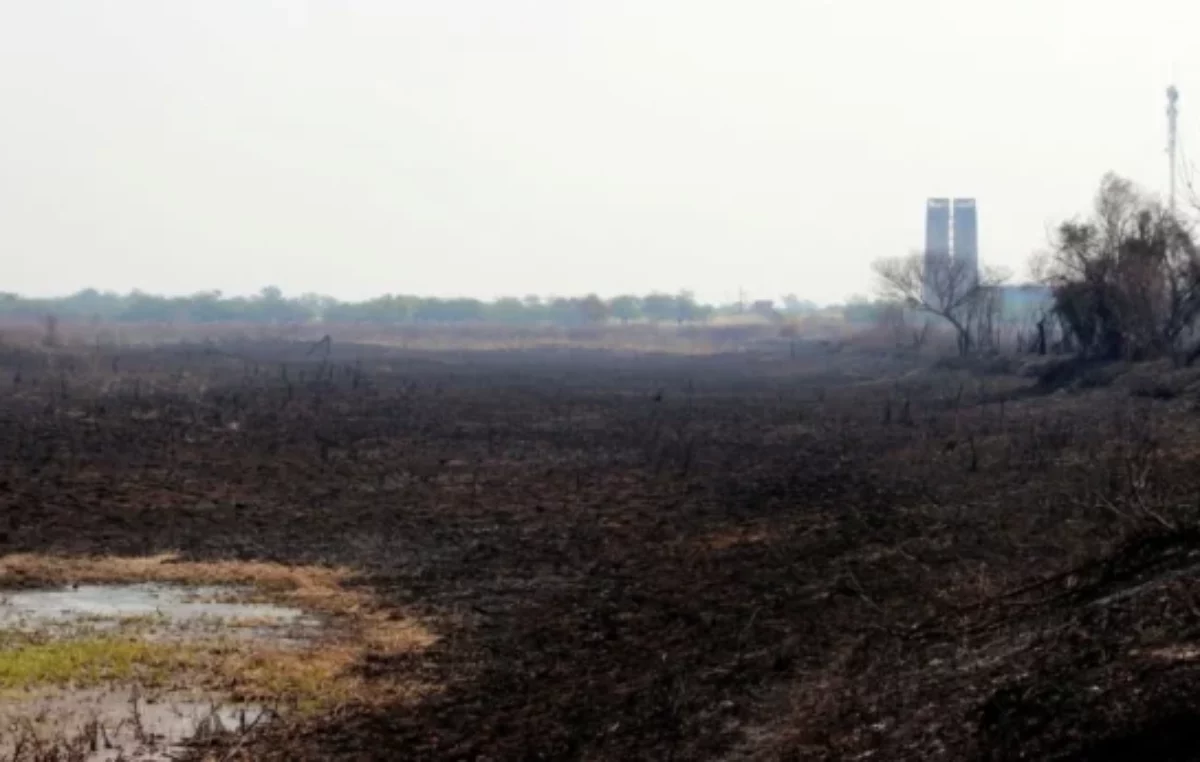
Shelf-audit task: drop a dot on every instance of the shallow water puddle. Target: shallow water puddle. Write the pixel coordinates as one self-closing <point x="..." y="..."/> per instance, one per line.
<point x="179" y="608"/>
<point x="105" y="725"/>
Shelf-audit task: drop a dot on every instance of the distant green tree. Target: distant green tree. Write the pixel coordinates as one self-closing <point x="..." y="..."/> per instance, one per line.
<point x="686" y="308"/>
<point x="593" y="309"/>
<point x="450" y="310"/>
<point x="271" y="307"/>
<point x="145" y="308"/>
<point x="564" y="311"/>
<point x="209" y="307"/>
<point x="509" y="310"/>
<point x="536" y="309"/>
<point x="660" y="307"/>
<point x="626" y="308"/>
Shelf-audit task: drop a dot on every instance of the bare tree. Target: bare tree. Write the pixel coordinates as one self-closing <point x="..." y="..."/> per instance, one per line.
<point x="1126" y="281"/>
<point x="944" y="287"/>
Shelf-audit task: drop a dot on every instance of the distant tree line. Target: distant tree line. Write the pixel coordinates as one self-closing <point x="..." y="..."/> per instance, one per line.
<point x="270" y="305"/>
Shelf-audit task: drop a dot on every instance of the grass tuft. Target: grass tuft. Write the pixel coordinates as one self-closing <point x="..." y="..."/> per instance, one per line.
<point x="88" y="661"/>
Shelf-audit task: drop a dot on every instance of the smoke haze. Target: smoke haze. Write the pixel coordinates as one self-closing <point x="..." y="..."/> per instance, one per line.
<point x="479" y="148"/>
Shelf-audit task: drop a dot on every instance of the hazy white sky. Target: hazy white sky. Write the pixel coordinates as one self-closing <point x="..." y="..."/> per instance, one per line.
<point x="485" y="147"/>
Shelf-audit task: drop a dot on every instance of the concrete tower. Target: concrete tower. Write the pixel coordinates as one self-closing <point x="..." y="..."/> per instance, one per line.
<point x="966" y="238"/>
<point x="937" y="238"/>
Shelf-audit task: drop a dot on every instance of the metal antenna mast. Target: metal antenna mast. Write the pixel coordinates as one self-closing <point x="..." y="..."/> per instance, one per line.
<point x="1172" y="122"/>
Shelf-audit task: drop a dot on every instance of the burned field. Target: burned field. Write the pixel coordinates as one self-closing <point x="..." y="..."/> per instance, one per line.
<point x="567" y="555"/>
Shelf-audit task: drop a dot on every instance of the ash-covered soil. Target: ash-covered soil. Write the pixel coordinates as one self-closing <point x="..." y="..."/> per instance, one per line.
<point x="827" y="556"/>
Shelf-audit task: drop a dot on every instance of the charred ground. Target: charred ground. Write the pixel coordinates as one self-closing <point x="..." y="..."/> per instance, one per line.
<point x="820" y="555"/>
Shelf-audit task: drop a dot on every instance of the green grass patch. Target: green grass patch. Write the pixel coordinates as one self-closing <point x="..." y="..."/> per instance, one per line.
<point x="88" y="661"/>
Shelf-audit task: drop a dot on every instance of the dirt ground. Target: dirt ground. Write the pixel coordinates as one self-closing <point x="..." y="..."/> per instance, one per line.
<point x="812" y="554"/>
